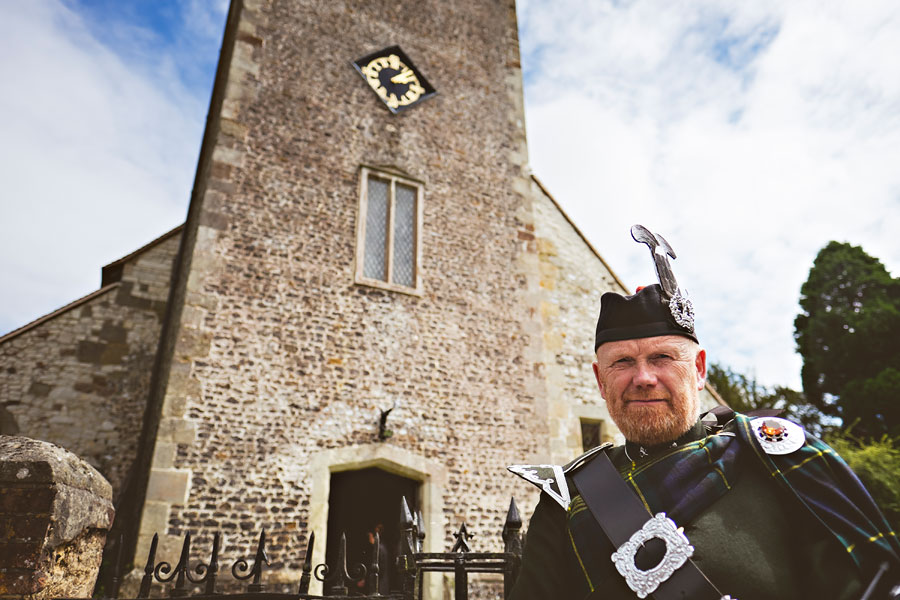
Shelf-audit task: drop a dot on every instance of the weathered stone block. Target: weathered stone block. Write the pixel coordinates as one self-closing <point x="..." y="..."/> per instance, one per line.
<point x="181" y="431"/>
<point x="55" y="511"/>
<point x="164" y="454"/>
<point x="194" y="342"/>
<point x="23" y="527"/>
<point x="169" y="485"/>
<point x="155" y="518"/>
<point x="39" y="389"/>
<point x="228" y="156"/>
<point x="233" y="128"/>
<point x="90" y="352"/>
<point x="113" y="332"/>
<point x="214" y="220"/>
<point x="17" y="583"/>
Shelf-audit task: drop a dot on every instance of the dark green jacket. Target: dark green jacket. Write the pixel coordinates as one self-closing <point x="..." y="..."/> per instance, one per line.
<point x="758" y="539"/>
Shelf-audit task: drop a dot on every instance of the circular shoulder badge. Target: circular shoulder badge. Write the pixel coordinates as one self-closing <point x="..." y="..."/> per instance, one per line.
<point x="778" y="436"/>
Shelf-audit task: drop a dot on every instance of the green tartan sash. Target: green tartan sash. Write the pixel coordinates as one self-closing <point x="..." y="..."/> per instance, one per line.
<point x="824" y="483"/>
<point x="685" y="481"/>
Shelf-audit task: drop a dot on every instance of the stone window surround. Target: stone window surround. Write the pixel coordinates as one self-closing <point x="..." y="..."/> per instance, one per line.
<point x="600" y="425"/>
<point x="394" y="176"/>
<point x="594" y="413"/>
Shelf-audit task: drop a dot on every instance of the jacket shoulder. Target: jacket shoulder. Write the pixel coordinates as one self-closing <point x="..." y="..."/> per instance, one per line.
<point x="585" y="458"/>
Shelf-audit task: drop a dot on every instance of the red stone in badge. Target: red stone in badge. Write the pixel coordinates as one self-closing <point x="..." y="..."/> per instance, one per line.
<point x="777" y="436"/>
<point x="772" y="430"/>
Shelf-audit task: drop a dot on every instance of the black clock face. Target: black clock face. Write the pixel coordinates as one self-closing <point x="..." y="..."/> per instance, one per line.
<point x="393" y="77"/>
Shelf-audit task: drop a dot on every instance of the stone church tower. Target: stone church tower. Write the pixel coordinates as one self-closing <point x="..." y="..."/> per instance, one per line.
<point x="346" y="251"/>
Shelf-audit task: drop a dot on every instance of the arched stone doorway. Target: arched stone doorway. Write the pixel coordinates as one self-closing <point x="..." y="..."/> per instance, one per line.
<point x="361" y="501"/>
<point x="431" y="477"/>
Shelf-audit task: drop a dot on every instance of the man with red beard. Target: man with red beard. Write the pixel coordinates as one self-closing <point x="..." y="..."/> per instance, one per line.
<point x="723" y="506"/>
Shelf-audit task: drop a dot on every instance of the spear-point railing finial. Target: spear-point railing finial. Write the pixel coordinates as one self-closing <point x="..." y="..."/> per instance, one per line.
<point x="260" y="558"/>
<point x="307" y="564"/>
<point x="462" y="539"/>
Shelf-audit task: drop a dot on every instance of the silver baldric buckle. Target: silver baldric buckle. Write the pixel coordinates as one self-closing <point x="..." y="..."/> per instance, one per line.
<point x="678" y="551"/>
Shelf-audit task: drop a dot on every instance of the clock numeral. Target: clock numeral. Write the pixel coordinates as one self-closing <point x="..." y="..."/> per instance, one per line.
<point x="372" y="69"/>
<point x="409" y="97"/>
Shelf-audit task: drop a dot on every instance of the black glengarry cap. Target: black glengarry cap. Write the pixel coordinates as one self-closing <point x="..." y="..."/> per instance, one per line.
<point x="645" y="313"/>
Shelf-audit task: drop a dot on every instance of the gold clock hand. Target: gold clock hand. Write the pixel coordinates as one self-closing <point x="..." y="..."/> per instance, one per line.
<point x="404" y="76"/>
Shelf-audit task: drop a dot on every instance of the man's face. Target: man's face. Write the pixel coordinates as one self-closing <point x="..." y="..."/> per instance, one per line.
<point x="651" y="386"/>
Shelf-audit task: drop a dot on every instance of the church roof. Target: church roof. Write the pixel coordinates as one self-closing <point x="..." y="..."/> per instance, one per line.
<point x="113" y="271"/>
<point x="580" y="234"/>
<point x="109" y="280"/>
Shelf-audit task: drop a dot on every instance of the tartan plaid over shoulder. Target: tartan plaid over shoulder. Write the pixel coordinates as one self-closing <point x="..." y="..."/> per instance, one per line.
<point x="833" y="493"/>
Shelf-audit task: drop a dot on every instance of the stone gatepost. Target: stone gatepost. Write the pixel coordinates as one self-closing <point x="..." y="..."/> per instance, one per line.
<point x="55" y="511"/>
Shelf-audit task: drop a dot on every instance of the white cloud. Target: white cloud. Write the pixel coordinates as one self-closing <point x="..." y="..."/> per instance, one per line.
<point x="97" y="158"/>
<point x="749" y="134"/>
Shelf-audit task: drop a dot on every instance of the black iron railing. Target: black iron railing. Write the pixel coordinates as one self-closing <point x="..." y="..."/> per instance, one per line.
<point x="201" y="581"/>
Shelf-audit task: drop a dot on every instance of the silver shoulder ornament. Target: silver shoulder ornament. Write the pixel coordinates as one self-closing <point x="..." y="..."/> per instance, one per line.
<point x="552" y="478"/>
<point x="778" y="436"/>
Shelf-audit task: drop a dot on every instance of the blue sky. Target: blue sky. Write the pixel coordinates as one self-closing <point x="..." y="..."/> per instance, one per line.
<point x="170" y="37"/>
<point x="748" y="134"/>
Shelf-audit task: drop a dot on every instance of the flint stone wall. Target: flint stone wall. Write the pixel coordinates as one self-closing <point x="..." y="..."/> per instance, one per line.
<point x="572" y="279"/>
<point x="55" y="511"/>
<point x="79" y="376"/>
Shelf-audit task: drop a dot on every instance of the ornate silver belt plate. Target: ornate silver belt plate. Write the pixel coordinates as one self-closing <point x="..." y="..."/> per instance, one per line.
<point x="678" y="551"/>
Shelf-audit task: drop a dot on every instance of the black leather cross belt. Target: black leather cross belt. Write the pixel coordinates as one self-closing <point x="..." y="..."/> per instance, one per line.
<point x="628" y="526"/>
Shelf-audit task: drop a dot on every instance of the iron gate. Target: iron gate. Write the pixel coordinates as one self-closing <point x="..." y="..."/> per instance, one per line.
<point x="201" y="581"/>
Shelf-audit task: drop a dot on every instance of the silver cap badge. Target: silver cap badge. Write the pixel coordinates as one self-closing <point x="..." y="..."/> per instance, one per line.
<point x="679" y="304"/>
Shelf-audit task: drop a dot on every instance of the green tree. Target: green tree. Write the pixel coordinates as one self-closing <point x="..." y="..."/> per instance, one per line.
<point x="847" y="333"/>
<point x="877" y="464"/>
<point x="744" y="394"/>
<point x="739" y="392"/>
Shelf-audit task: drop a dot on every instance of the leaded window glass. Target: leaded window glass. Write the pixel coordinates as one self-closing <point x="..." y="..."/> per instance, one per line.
<point x="404" y="235"/>
<point x="375" y="266"/>
<point x="390" y="216"/>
